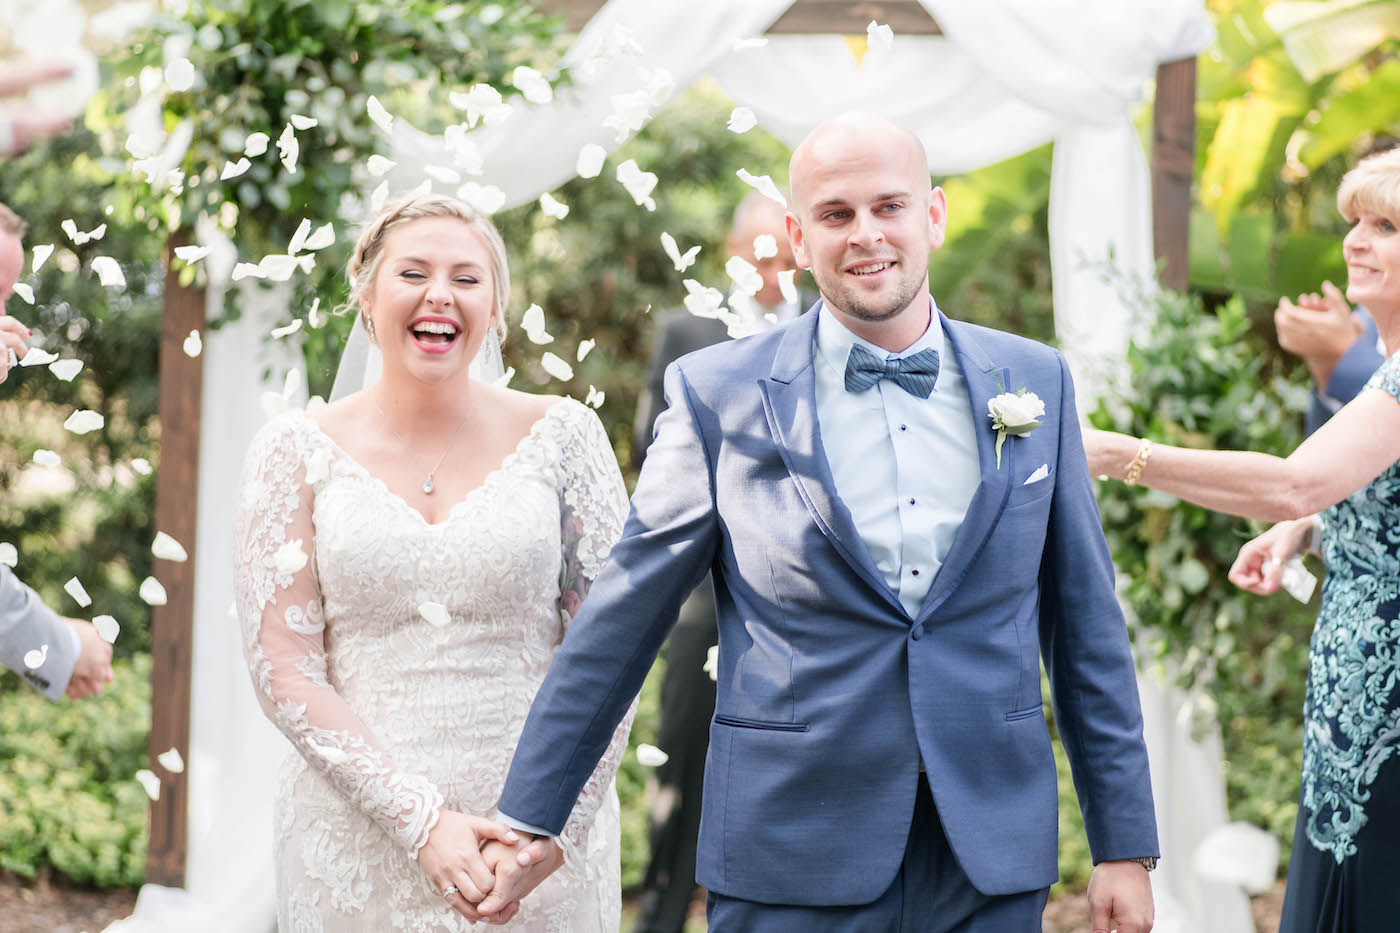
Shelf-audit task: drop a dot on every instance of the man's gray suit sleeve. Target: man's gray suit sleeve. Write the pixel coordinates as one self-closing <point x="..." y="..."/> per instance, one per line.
<point x="26" y="624"/>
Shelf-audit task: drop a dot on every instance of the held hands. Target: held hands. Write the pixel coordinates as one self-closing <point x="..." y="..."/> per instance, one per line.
<point x="519" y="870"/>
<point x="94" y="665"/>
<point x="452" y="860"/>
<point x="1259" y="566"/>
<point x="1120" y="897"/>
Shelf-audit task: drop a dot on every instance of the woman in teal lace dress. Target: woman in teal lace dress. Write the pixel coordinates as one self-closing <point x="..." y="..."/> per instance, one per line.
<point x="1338" y="494"/>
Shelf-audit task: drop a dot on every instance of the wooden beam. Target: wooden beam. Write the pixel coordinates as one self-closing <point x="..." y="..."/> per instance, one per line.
<point x="1173" y="164"/>
<point x="813" y="17"/>
<point x="172" y="630"/>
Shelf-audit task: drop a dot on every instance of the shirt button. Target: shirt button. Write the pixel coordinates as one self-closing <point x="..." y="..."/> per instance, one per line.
<point x="915" y="571"/>
<point x="904" y="427"/>
<point x="911" y="501"/>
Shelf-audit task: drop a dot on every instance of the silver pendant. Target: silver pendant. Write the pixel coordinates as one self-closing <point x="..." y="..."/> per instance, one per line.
<point x="428" y="485"/>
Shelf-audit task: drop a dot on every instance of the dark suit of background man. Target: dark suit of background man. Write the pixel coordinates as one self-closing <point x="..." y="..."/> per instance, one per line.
<point x="688" y="692"/>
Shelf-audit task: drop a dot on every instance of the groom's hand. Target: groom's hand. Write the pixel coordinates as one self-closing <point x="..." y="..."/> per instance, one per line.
<point x="519" y="869"/>
<point x="1120" y="897"/>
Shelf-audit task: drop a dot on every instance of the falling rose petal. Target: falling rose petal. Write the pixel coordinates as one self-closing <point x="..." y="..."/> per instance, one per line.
<point x="649" y="756"/>
<point x="78" y="237"/>
<point x="638" y="183"/>
<point x="504" y="378"/>
<point x="590" y="160"/>
<point x="787" y="283"/>
<point x="742" y="120"/>
<point x="381" y="117"/>
<point x="277" y="333"/>
<point x="256" y="144"/>
<point x="681" y="262"/>
<point x="289" y="149"/>
<point x="764" y="246"/>
<point x="9" y="556"/>
<point x="234" y="169"/>
<point x="299" y="236"/>
<point x="107" y="628"/>
<point x="246" y="270"/>
<point x="746" y="277"/>
<point x="149" y="782"/>
<point x="585" y="347"/>
<point x="763" y="185"/>
<point x="179" y="75"/>
<point x="314" y="316"/>
<point x="24" y="291"/>
<point x="303" y="122"/>
<point x="532" y="84"/>
<point x="171" y="761"/>
<point x="75" y="589"/>
<point x="37" y="357"/>
<point x="290" y="557"/>
<point x="481" y="102"/>
<point x="378" y="196"/>
<point x="443" y="174"/>
<point x="167" y="548"/>
<point x="552" y="207"/>
<point x="66" y="370"/>
<point x="141" y="464"/>
<point x="151" y="592"/>
<point x="35" y="659"/>
<point x="752" y="42"/>
<point x="711" y="665"/>
<point x="594" y="397"/>
<point x="378" y="166"/>
<point x="47" y="458"/>
<point x="193" y="345"/>
<point x="435" y="613"/>
<point x="701" y="301"/>
<point x="42" y="252"/>
<point x="878" y="37"/>
<point x="532" y="322"/>
<point x="84" y="421"/>
<point x="191" y="254"/>
<point x="109" y="273"/>
<point x="556" y="367"/>
<point x="630" y="113"/>
<point x="485" y="198"/>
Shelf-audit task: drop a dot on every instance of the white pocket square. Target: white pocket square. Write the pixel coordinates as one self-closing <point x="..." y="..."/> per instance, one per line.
<point x="1038" y="475"/>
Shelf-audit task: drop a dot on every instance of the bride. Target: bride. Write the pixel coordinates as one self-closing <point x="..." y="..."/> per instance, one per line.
<point x="407" y="560"/>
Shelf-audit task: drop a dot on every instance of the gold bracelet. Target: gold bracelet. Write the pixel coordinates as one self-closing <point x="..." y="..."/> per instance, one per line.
<point x="1135" y="468"/>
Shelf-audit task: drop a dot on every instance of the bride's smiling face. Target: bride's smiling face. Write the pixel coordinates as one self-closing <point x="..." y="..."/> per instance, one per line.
<point x="432" y="299"/>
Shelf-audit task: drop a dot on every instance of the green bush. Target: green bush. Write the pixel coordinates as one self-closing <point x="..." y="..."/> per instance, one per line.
<point x="69" y="799"/>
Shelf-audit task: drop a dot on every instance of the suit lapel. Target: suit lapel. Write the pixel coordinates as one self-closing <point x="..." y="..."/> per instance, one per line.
<point x="790" y="405"/>
<point x="984" y="380"/>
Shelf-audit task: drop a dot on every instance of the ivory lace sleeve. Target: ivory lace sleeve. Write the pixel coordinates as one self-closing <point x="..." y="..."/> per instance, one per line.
<point x="593" y="506"/>
<point x="279" y="609"/>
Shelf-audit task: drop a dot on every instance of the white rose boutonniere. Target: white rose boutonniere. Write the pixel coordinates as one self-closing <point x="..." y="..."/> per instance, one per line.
<point x="1014" y="413"/>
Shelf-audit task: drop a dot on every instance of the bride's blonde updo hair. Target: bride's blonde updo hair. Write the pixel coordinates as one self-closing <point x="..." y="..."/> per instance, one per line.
<point x="369" y="249"/>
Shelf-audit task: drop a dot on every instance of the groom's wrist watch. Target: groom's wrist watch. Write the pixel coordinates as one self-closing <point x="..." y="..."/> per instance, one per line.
<point x="1147" y="862"/>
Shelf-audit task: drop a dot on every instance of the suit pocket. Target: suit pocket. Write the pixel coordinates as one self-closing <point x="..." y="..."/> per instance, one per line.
<point x="1027" y="713"/>
<point x="741" y="723"/>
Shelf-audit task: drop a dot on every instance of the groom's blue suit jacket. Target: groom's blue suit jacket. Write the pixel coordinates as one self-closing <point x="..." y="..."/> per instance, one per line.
<point x="829" y="694"/>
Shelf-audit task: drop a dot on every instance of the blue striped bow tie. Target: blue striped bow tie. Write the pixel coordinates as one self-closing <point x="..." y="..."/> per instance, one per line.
<point x="914" y="374"/>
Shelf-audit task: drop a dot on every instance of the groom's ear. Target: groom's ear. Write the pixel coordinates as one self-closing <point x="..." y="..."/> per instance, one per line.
<point x="799" y="245"/>
<point x="937" y="217"/>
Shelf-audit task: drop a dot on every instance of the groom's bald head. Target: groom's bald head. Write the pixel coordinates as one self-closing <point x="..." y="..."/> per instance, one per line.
<point x="848" y="140"/>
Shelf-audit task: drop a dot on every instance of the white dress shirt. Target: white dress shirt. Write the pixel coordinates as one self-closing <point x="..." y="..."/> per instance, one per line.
<point x="906" y="467"/>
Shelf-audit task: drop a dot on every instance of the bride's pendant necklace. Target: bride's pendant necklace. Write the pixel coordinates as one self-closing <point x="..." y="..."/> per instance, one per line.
<point x="427" y="483"/>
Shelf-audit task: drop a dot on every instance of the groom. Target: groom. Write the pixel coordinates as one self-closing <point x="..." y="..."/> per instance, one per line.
<point x="885" y="570"/>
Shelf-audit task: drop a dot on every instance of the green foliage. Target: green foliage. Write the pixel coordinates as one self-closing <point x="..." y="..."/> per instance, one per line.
<point x="1202" y="380"/>
<point x="67" y="779"/>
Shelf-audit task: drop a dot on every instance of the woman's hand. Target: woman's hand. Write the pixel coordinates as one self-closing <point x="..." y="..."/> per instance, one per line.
<point x="519" y="870"/>
<point x="12" y="337"/>
<point x="451" y="858"/>
<point x="1259" y="566"/>
<point x="1109" y="454"/>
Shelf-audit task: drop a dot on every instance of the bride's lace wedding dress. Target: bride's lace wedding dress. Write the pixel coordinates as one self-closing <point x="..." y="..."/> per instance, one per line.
<point x="400" y="659"/>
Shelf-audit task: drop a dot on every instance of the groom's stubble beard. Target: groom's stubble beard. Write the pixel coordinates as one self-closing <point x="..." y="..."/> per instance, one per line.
<point x="874" y="310"/>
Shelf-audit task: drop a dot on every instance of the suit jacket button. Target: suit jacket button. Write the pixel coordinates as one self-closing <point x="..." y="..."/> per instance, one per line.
<point x="918" y="632"/>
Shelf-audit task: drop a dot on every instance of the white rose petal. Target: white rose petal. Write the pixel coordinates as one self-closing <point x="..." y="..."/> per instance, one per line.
<point x="278" y="267"/>
<point x="108" y="272"/>
<point x="288" y="149"/>
<point x="681" y="262"/>
<point x="381" y="117"/>
<point x="594" y="397"/>
<point x="556" y="367"/>
<point x="486" y="198"/>
<point x="436" y="614"/>
<point x="711" y="665"/>
<point x="256" y="144"/>
<point x="378" y="196"/>
<point x="314" y="316"/>
<point x="167" y="548"/>
<point x="277" y="333"/>
<point x="24" y="291"/>
<point x="194" y="345"/>
<point x="878" y="37"/>
<point x="481" y="102"/>
<point x="746" y="277"/>
<point x="84" y="421"/>
<point x="378" y="166"/>
<point x="638" y="183"/>
<point x="552" y="207"/>
<point x="532" y="322"/>
<point x="323" y="237"/>
<point x="701" y="301"/>
<point x="141" y="464"/>
<point x="171" y="761"/>
<point x="179" y="74"/>
<point x="303" y="122"/>
<point x="80" y="238"/>
<point x="763" y="185"/>
<point x="47" y="458"/>
<point x="42" y="252"/>
<point x="247" y="269"/>
<point x="532" y="84"/>
<point x="649" y="756"/>
<point x="107" y="628"/>
<point x="151" y="592"/>
<point x="290" y="557"/>
<point x="764" y="246"/>
<point x="149" y="782"/>
<point x="35" y="659"/>
<point x="585" y="347"/>
<point x="742" y="120"/>
<point x="629" y="114"/>
<point x="9" y="555"/>
<point x="191" y="254"/>
<point x="787" y="283"/>
<point x="299" y="236"/>
<point x="74" y="588"/>
<point x="658" y="84"/>
<point x="590" y="160"/>
<point x="443" y="174"/>
<point x="37" y="357"/>
<point x="234" y="169"/>
<point x="466" y="154"/>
